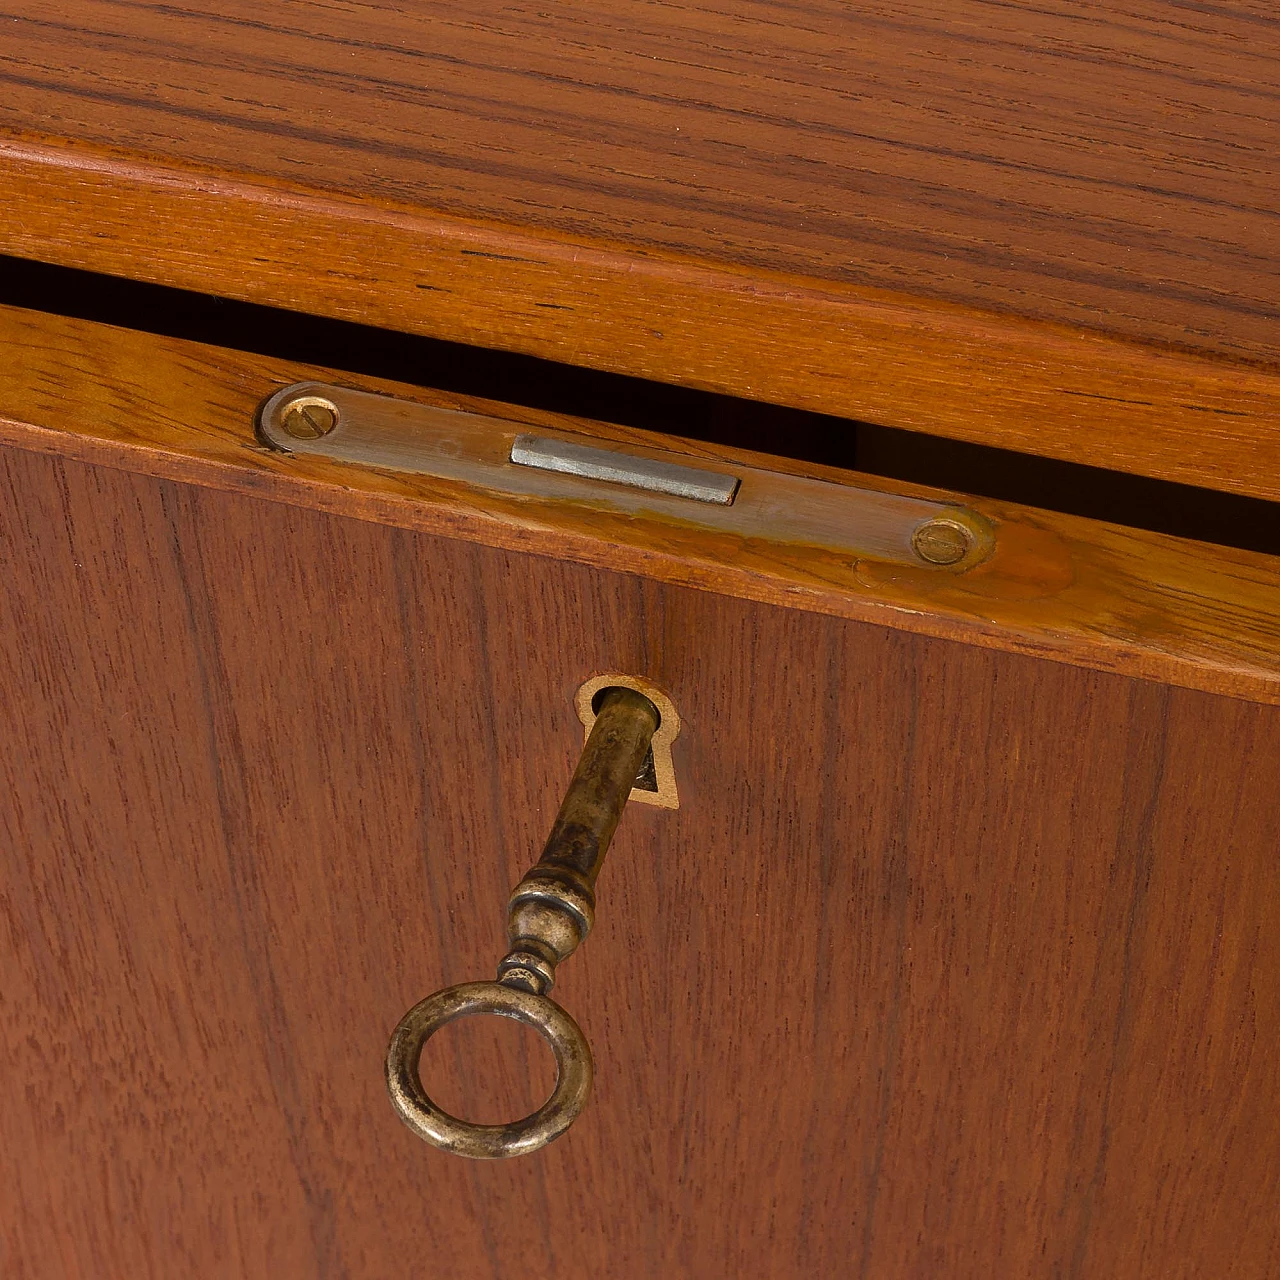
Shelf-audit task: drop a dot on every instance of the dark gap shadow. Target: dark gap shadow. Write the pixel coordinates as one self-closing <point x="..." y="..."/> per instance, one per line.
<point x="1161" y="506"/>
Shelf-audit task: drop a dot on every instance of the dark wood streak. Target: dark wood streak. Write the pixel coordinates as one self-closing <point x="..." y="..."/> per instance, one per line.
<point x="496" y="748"/>
<point x="1144" y="769"/>
<point x="895" y="876"/>
<point x="415" y="623"/>
<point x="226" y="761"/>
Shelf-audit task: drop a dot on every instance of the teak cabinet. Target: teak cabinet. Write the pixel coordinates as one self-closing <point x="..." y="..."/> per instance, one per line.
<point x="959" y="956"/>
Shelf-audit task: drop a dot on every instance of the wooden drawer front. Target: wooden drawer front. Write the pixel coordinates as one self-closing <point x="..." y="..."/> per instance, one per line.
<point x="954" y="961"/>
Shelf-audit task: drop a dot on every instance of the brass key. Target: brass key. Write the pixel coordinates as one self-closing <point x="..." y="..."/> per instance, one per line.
<point x="550" y="913"/>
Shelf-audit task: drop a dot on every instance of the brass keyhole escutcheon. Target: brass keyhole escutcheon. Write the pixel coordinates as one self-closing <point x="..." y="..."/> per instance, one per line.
<point x="656" y="782"/>
<point x="942" y="541"/>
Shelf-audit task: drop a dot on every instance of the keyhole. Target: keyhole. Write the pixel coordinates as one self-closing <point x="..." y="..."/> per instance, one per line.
<point x="656" y="779"/>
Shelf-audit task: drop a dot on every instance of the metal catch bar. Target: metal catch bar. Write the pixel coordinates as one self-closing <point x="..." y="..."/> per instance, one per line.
<point x="837" y="521"/>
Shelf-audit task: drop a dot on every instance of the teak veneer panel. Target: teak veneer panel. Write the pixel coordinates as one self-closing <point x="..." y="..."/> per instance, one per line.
<point x="953" y="962"/>
<point x="1099" y="595"/>
<point x="1044" y="228"/>
<point x="1109" y="168"/>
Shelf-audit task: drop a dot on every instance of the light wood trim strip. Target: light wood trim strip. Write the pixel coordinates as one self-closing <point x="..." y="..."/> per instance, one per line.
<point x="863" y="354"/>
<point x="1058" y="587"/>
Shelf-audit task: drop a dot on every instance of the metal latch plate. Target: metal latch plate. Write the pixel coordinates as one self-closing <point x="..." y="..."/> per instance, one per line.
<point x="636" y="482"/>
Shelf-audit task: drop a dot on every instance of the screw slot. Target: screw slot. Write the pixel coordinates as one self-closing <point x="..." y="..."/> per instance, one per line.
<point x="942" y="541"/>
<point x="309" y="418"/>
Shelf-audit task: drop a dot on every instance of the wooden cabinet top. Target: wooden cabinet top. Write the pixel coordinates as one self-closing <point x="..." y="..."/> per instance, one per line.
<point x="1046" y="229"/>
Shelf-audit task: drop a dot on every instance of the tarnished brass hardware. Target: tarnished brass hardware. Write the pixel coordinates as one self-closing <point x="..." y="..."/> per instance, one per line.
<point x="829" y="526"/>
<point x="942" y="541"/>
<point x="309" y="417"/>
<point x="656" y="782"/>
<point x="489" y="1141"/>
<point x="550" y="913"/>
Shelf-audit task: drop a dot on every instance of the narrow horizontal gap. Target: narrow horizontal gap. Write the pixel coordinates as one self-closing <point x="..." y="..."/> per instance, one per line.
<point x="1160" y="506"/>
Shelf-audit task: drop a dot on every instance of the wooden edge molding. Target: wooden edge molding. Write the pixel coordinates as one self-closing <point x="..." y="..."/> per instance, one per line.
<point x="1057" y="587"/>
<point x="1075" y="395"/>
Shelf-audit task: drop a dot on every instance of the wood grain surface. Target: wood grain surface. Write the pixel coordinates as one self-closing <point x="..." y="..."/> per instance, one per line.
<point x="1046" y="228"/>
<point x="954" y="962"/>
<point x="1078" y="590"/>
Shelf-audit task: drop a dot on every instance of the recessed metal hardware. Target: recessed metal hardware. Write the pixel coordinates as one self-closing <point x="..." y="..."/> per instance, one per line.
<point x="309" y="418"/>
<point x="550" y="913"/>
<point x="828" y="523"/>
<point x="591" y="463"/>
<point x="942" y="541"/>
<point x="656" y="782"/>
